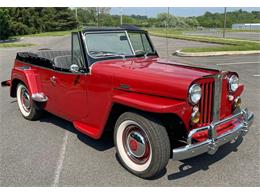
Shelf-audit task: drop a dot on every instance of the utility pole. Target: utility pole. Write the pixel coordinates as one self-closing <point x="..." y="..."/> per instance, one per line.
<point x="166" y="28"/>
<point x="121" y="16"/>
<point x="76" y="15"/>
<point x="225" y="21"/>
<point x="98" y="16"/>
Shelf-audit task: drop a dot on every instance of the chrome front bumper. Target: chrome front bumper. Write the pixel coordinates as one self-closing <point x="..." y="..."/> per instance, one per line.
<point x="213" y="142"/>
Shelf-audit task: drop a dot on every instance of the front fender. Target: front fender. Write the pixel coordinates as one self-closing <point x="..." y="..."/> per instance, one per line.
<point x="152" y="104"/>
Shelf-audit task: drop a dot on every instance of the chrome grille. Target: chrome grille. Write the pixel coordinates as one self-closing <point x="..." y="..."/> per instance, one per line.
<point x="207" y="100"/>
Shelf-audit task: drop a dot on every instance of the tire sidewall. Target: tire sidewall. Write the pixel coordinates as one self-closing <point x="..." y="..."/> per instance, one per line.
<point x="25" y="113"/>
<point x="121" y="150"/>
<point x="154" y="160"/>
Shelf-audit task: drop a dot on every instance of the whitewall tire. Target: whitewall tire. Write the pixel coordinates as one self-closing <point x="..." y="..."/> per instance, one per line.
<point x="27" y="106"/>
<point x="142" y="144"/>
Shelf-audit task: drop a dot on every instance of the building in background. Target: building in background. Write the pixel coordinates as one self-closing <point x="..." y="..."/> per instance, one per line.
<point x="252" y="26"/>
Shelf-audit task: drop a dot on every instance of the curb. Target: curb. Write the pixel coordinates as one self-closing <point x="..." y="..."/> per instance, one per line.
<point x="218" y="53"/>
<point x="11" y="40"/>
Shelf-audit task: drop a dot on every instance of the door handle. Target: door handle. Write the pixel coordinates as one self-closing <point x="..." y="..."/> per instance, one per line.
<point x="53" y="80"/>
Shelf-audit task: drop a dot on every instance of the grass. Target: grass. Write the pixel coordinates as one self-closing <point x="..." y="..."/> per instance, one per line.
<point x="45" y="34"/>
<point x="232" y="30"/>
<point x="7" y="45"/>
<point x="242" y="47"/>
<point x="226" y="44"/>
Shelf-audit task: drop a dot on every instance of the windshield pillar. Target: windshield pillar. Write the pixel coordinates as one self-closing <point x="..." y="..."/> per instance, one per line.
<point x="130" y="43"/>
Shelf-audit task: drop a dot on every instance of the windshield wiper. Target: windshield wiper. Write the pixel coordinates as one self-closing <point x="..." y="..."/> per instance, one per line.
<point x="145" y="54"/>
<point x="114" y="54"/>
<point x="106" y="53"/>
<point x="95" y="52"/>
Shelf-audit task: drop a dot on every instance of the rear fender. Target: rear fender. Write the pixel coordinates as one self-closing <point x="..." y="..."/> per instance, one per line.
<point x="28" y="76"/>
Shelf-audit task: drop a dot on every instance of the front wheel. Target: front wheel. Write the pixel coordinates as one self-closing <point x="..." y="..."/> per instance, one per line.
<point x="142" y="144"/>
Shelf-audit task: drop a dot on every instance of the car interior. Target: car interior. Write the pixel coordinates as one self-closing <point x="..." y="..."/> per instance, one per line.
<point x="60" y="59"/>
<point x="57" y="60"/>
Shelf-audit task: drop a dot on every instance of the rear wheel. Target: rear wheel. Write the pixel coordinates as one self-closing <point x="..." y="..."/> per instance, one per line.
<point x="142" y="144"/>
<point x="27" y="106"/>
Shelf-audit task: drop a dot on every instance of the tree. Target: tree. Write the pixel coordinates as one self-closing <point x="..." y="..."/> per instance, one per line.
<point x="90" y="16"/>
<point x="37" y="20"/>
<point x="4" y="24"/>
<point x="239" y="16"/>
<point x="64" y="19"/>
<point x="175" y="22"/>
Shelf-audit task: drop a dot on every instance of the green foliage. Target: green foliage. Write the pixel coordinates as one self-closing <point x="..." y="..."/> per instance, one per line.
<point x="101" y="17"/>
<point x="93" y="16"/>
<point x="215" y="20"/>
<point x="4" y="24"/>
<point x="6" y="45"/>
<point x="64" y="19"/>
<point x="23" y="21"/>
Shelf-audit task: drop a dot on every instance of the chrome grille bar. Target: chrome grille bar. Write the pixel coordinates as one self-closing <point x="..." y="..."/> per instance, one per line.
<point x="206" y="102"/>
<point x="217" y="102"/>
<point x="217" y="96"/>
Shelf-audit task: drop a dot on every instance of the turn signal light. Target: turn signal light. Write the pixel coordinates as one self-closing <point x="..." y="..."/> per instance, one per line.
<point x="195" y="117"/>
<point x="237" y="103"/>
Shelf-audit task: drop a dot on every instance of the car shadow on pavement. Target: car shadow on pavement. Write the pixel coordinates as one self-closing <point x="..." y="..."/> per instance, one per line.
<point x="104" y="143"/>
<point x="203" y="161"/>
<point x="158" y="176"/>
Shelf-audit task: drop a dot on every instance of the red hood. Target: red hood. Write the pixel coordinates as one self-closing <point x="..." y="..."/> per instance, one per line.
<point x="152" y="76"/>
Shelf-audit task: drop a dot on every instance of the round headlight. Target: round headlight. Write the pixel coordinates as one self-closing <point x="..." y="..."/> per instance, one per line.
<point x="233" y="83"/>
<point x="194" y="94"/>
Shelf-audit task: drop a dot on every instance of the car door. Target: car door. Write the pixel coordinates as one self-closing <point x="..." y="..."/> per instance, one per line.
<point x="70" y="86"/>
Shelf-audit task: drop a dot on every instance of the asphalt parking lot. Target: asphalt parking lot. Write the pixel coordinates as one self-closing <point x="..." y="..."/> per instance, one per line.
<point x="50" y="152"/>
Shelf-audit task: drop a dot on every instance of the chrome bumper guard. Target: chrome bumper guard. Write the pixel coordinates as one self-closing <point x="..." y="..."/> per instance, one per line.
<point x="213" y="142"/>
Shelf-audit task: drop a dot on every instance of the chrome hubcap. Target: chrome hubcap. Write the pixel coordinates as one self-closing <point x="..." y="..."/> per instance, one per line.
<point x="136" y="144"/>
<point x="25" y="99"/>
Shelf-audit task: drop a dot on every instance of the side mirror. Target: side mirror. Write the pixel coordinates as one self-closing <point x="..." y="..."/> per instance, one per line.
<point x="74" y="68"/>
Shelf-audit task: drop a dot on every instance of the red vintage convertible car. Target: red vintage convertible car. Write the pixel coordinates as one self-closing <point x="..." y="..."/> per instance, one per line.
<point x="114" y="79"/>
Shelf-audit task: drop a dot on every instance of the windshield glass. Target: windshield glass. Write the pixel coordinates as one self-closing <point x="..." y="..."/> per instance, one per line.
<point x="108" y="44"/>
<point x="111" y="44"/>
<point x="140" y="43"/>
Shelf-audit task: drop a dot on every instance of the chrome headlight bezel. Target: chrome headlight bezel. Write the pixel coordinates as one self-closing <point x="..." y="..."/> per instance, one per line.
<point x="194" y="94"/>
<point x="233" y="83"/>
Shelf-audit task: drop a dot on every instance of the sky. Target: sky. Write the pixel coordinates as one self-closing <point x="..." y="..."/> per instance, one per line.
<point x="177" y="11"/>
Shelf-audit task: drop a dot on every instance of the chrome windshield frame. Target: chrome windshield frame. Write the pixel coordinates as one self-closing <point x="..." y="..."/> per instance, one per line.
<point x="126" y="32"/>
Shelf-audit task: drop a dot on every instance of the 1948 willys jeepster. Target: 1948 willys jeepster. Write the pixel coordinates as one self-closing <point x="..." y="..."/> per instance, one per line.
<point x="114" y="79"/>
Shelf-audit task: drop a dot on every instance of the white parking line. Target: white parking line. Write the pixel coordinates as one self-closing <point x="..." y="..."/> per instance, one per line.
<point x="60" y="160"/>
<point x="256" y="75"/>
<point x="238" y="63"/>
